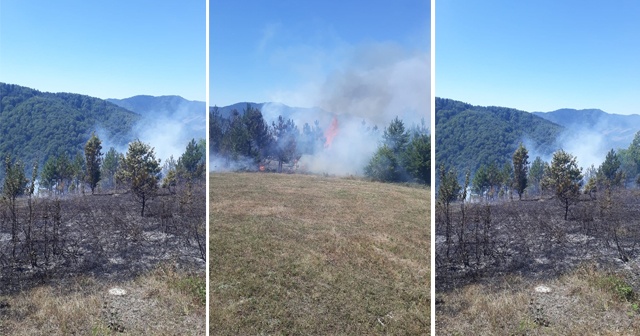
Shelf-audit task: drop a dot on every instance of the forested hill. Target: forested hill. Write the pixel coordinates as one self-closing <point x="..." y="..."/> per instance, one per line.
<point x="35" y="125"/>
<point x="468" y="136"/>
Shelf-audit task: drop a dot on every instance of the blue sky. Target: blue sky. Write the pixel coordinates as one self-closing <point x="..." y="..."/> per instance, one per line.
<point x="540" y="55"/>
<point x="105" y="49"/>
<point x="292" y="51"/>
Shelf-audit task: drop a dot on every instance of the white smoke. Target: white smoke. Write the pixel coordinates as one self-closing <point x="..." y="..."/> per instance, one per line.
<point x="168" y="132"/>
<point x="219" y="164"/>
<point x="377" y="83"/>
<point x="348" y="154"/>
<point x="586" y="145"/>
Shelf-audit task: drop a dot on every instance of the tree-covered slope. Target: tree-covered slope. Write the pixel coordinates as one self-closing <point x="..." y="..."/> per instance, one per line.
<point x="35" y="125"/>
<point x="468" y="136"/>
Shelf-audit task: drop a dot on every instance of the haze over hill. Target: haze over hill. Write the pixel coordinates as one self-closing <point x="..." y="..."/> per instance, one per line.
<point x="168" y="122"/>
<point x="468" y="136"/>
<point x="590" y="133"/>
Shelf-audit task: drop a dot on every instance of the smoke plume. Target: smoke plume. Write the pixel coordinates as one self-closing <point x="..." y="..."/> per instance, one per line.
<point x="375" y="84"/>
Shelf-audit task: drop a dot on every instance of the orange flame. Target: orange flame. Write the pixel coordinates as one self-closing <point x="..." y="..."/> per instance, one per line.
<point x="331" y="132"/>
<point x="261" y="168"/>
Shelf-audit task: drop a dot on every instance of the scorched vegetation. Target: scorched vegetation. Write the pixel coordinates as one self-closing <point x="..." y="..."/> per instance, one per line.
<point x="541" y="248"/>
<point x="100" y="244"/>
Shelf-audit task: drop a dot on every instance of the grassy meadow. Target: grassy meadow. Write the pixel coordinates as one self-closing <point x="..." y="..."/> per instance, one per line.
<point x="302" y="254"/>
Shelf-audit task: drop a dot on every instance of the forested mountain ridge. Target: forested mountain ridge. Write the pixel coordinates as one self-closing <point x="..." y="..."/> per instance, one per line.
<point x="35" y="125"/>
<point x="469" y="136"/>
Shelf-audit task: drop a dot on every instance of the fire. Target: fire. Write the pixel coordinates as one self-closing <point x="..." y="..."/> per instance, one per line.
<point x="261" y="168"/>
<point x="331" y="132"/>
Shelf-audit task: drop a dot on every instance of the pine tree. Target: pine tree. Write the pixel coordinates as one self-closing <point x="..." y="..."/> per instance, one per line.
<point x="190" y="165"/>
<point x="109" y="168"/>
<point x="520" y="170"/>
<point x="608" y="172"/>
<point x="536" y="174"/>
<point x="258" y="134"/>
<point x="93" y="158"/>
<point x="480" y="181"/>
<point x="383" y="166"/>
<point x="215" y="130"/>
<point x="15" y="183"/>
<point x="141" y="171"/>
<point x="236" y="142"/>
<point x="395" y="136"/>
<point x="78" y="173"/>
<point x="285" y="134"/>
<point x="417" y="157"/>
<point x="564" y="178"/>
<point x="57" y="173"/>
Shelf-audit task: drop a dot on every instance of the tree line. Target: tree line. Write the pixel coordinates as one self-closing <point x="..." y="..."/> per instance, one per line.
<point x="403" y="155"/>
<point x="248" y="137"/>
<point x="561" y="178"/>
<point x="137" y="171"/>
<point x="479" y="236"/>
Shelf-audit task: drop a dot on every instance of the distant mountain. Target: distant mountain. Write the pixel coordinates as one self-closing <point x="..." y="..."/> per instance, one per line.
<point x="192" y="114"/>
<point x="35" y="125"/>
<point x="300" y="115"/>
<point x="468" y="136"/>
<point x="616" y="131"/>
<point x="161" y="105"/>
<point x="227" y="111"/>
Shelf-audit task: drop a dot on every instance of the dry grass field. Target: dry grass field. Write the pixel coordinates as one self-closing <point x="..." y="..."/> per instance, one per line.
<point x="586" y="301"/>
<point x="162" y="302"/>
<point x="312" y="255"/>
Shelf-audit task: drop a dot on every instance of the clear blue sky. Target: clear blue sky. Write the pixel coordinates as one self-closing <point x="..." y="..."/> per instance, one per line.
<point x="285" y="50"/>
<point x="540" y="55"/>
<point x="106" y="49"/>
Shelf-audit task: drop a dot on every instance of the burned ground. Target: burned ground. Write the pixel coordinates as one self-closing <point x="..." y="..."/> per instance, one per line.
<point x="77" y="247"/>
<point x="498" y="253"/>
